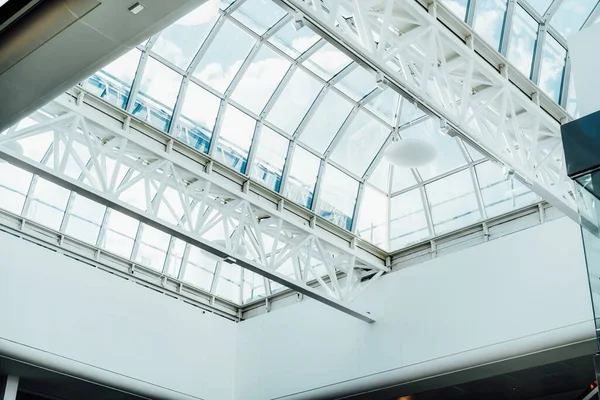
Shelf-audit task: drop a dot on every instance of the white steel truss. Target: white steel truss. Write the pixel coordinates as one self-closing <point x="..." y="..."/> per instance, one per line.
<point x="130" y="172"/>
<point x="411" y="51"/>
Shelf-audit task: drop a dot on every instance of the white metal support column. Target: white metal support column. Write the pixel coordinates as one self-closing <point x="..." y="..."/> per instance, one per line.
<point x="9" y="386"/>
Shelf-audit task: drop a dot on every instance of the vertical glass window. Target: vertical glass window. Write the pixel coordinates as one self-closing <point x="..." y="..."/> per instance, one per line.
<point x="269" y="158"/>
<point x="453" y="202"/>
<point x="500" y="193"/>
<point x="489" y="20"/>
<point x="522" y="41"/>
<point x="158" y="92"/>
<point x="224" y="57"/>
<point x="294" y="101"/>
<point x="302" y="177"/>
<point x="408" y="223"/>
<point x="198" y="115"/>
<point x="152" y="248"/>
<point x="84" y="219"/>
<point x="113" y="82"/>
<point x="253" y="288"/>
<point x="260" y="80"/>
<point x="230" y="281"/>
<point x="337" y="198"/>
<point x="553" y="64"/>
<point x="326" y="121"/>
<point x="200" y="269"/>
<point x="572" y="107"/>
<point x="175" y="257"/>
<point x="373" y="217"/>
<point x="180" y="42"/>
<point x="48" y="203"/>
<point x="120" y="234"/>
<point x="14" y="184"/>
<point x="235" y="137"/>
<point x="458" y="7"/>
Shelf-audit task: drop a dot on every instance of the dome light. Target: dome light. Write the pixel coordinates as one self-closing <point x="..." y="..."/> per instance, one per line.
<point x="13" y="147"/>
<point x="411" y="153"/>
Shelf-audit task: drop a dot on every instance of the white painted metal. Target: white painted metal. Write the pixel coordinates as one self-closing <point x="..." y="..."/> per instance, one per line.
<point x="425" y="61"/>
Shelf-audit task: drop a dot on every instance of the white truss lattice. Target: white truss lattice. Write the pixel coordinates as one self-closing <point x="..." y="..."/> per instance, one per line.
<point x="167" y="190"/>
<point x="411" y="51"/>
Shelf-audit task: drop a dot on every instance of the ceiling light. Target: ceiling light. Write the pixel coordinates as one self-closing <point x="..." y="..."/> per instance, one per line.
<point x="14" y="148"/>
<point x="136" y="8"/>
<point x="411" y="153"/>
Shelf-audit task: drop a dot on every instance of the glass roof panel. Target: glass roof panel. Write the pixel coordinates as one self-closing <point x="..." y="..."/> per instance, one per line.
<point x="113" y="82"/>
<point x="327" y="61"/>
<point x="294" y="101"/>
<point x="358" y="83"/>
<point x="338" y="196"/>
<point x="408" y="222"/>
<point x="270" y="158"/>
<point x="198" y="115"/>
<point x="540" y="5"/>
<point x="453" y="202"/>
<point x="553" y="64"/>
<point x="384" y="105"/>
<point x="328" y="118"/>
<point x="489" y="19"/>
<point x="199" y="269"/>
<point x="229" y="282"/>
<point x="259" y="15"/>
<point x="522" y="40"/>
<point x="500" y="193"/>
<point x="180" y="42"/>
<point x="380" y="178"/>
<point x="260" y="80"/>
<point x="85" y="219"/>
<point x="14" y="185"/>
<point x="474" y="154"/>
<point x="458" y="7"/>
<point x="303" y="177"/>
<point x="571" y="14"/>
<point x="224" y="56"/>
<point x="174" y="258"/>
<point x="48" y="203"/>
<point x="152" y="250"/>
<point x="253" y="287"/>
<point x="402" y="178"/>
<point x="235" y="138"/>
<point x="360" y="142"/>
<point x="373" y="217"/>
<point x="294" y="42"/>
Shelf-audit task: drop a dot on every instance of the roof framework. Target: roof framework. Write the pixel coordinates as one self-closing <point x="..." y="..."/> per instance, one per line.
<point x="261" y="143"/>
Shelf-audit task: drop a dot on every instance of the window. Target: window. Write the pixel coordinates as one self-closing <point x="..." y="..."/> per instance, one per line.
<point x="408" y="223"/>
<point x="373" y="217"/>
<point x="337" y="198"/>
<point x="553" y="64"/>
<point x="198" y="115"/>
<point x="235" y="137"/>
<point x="269" y="158"/>
<point x="489" y="20"/>
<point x="120" y="233"/>
<point x="84" y="219"/>
<point x="303" y="176"/>
<point x="47" y="204"/>
<point x="152" y="248"/>
<point x="522" y="41"/>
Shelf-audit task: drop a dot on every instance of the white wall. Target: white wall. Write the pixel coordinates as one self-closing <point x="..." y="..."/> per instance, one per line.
<point x="584" y="50"/>
<point x="522" y="293"/>
<point x="65" y="314"/>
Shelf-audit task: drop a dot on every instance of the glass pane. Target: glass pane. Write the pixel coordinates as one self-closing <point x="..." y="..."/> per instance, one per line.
<point x="322" y="126"/>
<point x="358" y="83"/>
<point x="402" y="178"/>
<point x="120" y="232"/>
<point x="553" y="64"/>
<point x="380" y="178"/>
<point x="458" y="7"/>
<point x="294" y="42"/>
<point x="153" y="245"/>
<point x="85" y="219"/>
<point x="373" y="217"/>
<point x="572" y="107"/>
<point x="453" y="202"/>
<point x="327" y="61"/>
<point x="337" y="198"/>
<point x="302" y="178"/>
<point x="200" y="269"/>
<point x="384" y="105"/>
<point x="158" y="92"/>
<point x="259" y="15"/>
<point x="198" y="114"/>
<point x="522" y="41"/>
<point x="229" y="282"/>
<point x="48" y="203"/>
<point x="113" y="82"/>
<point x="173" y="263"/>
<point x="500" y="193"/>
<point x="253" y="288"/>
<point x="359" y="143"/>
<point x="408" y="223"/>
<point x="295" y="100"/>
<point x="14" y="184"/>
<point x="260" y="80"/>
<point x="489" y="19"/>
<point x="269" y="158"/>
<point x="540" y="5"/>
<point x="180" y="42"/>
<point x="224" y="57"/>
<point x="571" y="14"/>
<point x="235" y="138"/>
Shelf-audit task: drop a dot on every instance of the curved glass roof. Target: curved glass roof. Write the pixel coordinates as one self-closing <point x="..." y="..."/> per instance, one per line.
<point x="237" y="81"/>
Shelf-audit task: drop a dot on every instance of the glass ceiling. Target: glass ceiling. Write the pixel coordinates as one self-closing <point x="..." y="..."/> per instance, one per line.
<point x="236" y="81"/>
<point x="532" y="34"/>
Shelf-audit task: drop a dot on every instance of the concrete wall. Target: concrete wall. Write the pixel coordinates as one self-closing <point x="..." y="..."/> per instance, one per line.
<point x="59" y="313"/>
<point x="521" y="294"/>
